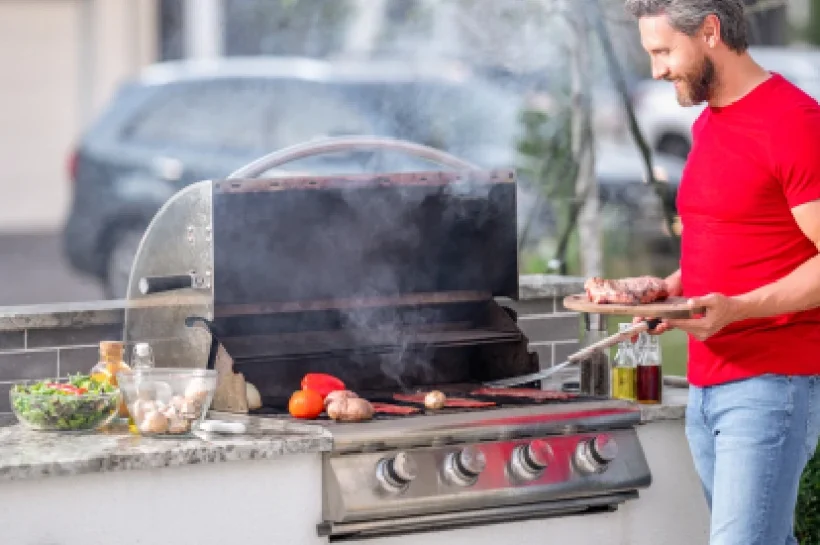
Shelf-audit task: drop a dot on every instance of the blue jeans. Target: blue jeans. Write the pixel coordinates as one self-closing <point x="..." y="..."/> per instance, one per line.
<point x="750" y="441"/>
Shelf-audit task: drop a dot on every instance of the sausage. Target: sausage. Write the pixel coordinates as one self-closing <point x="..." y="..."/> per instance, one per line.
<point x="350" y="409"/>
<point x="339" y="394"/>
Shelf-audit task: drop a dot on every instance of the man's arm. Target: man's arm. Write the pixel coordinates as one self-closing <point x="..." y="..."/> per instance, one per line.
<point x="797" y="291"/>
<point x="800" y="290"/>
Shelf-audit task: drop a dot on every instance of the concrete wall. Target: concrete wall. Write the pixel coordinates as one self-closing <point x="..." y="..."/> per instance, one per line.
<point x="61" y="60"/>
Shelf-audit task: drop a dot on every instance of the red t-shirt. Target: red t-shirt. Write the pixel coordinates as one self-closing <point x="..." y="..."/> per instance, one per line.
<point x="751" y="163"/>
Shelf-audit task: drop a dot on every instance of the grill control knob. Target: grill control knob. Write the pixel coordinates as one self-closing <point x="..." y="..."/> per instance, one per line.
<point x="528" y="462"/>
<point x="395" y="474"/>
<point x="464" y="467"/>
<point x="595" y="455"/>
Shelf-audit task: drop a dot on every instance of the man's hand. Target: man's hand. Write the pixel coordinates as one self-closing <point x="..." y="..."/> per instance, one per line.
<point x="675" y="287"/>
<point x="719" y="311"/>
<point x="662" y="327"/>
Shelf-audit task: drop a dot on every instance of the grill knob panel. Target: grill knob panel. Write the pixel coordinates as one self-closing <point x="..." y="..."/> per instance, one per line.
<point x="594" y="455"/>
<point x="464" y="467"/>
<point x="529" y="461"/>
<point x="396" y="474"/>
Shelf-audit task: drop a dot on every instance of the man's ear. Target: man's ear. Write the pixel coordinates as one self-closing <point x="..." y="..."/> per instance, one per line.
<point x="710" y="31"/>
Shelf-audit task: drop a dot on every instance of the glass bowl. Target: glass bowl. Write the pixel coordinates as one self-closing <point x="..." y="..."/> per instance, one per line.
<point x="167" y="401"/>
<point x="55" y="410"/>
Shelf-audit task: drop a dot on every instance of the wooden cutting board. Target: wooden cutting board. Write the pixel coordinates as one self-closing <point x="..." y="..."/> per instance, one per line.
<point x="672" y="307"/>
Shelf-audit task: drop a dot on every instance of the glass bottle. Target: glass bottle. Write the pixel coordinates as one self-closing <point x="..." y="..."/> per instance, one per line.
<point x="624" y="372"/>
<point x="650" y="370"/>
<point x="143" y="357"/>
<point x="111" y="362"/>
<point x="595" y="369"/>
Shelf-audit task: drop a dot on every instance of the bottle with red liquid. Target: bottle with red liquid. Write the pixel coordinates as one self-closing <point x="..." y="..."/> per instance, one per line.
<point x="650" y="370"/>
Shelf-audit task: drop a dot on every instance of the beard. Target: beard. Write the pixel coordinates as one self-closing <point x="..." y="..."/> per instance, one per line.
<point x="696" y="85"/>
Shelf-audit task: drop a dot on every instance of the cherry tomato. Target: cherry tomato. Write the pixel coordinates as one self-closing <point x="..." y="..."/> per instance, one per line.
<point x="322" y="384"/>
<point x="306" y="404"/>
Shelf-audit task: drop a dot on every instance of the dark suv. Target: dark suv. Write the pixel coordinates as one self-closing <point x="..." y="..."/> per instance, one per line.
<point x="184" y="122"/>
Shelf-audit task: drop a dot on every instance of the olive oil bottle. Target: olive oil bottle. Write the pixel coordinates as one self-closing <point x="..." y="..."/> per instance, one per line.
<point x="625" y="370"/>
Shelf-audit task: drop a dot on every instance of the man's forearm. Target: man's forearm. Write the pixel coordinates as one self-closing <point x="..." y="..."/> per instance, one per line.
<point x="798" y="291"/>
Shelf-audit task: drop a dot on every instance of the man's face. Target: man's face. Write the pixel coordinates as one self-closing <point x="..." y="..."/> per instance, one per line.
<point x="678" y="58"/>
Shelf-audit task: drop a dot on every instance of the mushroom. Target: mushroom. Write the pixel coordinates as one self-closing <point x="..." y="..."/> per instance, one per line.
<point x="197" y="391"/>
<point x="339" y="394"/>
<point x="189" y="409"/>
<point x="253" y="396"/>
<point x="154" y="422"/>
<point x="177" y="424"/>
<point x="435" y="400"/>
<point x="140" y="408"/>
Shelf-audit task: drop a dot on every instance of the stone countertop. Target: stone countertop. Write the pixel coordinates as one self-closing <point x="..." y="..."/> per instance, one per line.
<point x="111" y="312"/>
<point x="27" y="454"/>
<point x="672" y="408"/>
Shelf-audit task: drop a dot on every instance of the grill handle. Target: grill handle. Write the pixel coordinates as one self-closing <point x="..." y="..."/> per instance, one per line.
<point x="159" y="284"/>
<point x="348" y="143"/>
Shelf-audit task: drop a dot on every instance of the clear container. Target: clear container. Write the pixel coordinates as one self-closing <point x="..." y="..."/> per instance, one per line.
<point x="625" y="369"/>
<point x="168" y="401"/>
<point x="62" y="412"/>
<point x="650" y="370"/>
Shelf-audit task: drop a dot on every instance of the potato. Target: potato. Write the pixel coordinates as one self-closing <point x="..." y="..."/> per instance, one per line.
<point x="339" y="394"/>
<point x="351" y="409"/>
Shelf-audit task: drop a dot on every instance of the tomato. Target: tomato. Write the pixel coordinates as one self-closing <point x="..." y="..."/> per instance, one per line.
<point x="306" y="404"/>
<point x="322" y="384"/>
<point x="67" y="388"/>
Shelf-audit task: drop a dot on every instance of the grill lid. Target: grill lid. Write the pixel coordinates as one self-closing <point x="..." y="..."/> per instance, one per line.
<point x="293" y="243"/>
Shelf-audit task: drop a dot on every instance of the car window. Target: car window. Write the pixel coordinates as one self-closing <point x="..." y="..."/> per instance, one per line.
<point x="214" y="116"/>
<point x="304" y="111"/>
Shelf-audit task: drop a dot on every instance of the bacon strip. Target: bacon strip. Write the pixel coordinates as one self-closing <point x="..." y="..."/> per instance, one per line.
<point x="387" y="408"/>
<point x="524" y="393"/>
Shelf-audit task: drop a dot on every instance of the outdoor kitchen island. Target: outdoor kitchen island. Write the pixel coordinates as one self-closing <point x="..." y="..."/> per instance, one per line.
<point x="267" y="488"/>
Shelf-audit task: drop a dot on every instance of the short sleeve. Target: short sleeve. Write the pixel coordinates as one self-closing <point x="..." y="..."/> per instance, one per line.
<point x="796" y="148"/>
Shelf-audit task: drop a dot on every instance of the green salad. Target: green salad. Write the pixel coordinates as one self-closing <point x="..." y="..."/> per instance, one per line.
<point x="78" y="403"/>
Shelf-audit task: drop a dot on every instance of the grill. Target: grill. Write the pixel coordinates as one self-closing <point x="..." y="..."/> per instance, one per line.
<point x="390" y="282"/>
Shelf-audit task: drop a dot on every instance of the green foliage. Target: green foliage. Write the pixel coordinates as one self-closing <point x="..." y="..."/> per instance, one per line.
<point x="807" y="514"/>
<point x="547" y="165"/>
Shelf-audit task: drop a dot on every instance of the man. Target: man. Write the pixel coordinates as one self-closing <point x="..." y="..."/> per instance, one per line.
<point x="750" y="206"/>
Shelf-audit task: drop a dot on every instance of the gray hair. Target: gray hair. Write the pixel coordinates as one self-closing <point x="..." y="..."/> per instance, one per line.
<point x="687" y="16"/>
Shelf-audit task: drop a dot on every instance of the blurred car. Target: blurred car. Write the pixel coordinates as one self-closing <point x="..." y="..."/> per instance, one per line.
<point x="185" y="121"/>
<point x="627" y="203"/>
<point x="181" y="122"/>
<point x="667" y="125"/>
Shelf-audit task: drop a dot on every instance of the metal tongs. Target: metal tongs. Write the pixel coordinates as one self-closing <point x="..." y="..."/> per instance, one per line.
<point x="583" y="354"/>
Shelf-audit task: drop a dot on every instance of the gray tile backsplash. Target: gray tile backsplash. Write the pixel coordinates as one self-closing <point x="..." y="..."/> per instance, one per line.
<point x="28" y="365"/>
<point x="12" y="340"/>
<point x="5" y="402"/>
<point x="77" y="360"/>
<point x="73" y="336"/>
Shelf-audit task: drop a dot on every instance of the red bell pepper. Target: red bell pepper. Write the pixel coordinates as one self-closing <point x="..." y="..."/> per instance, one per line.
<point x="322" y="384"/>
